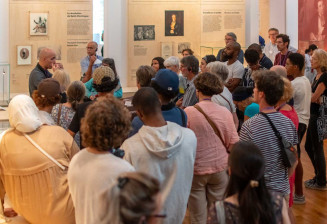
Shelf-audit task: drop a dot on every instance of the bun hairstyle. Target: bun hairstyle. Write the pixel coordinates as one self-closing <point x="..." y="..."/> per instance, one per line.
<point x="133" y="198"/>
<point x="247" y="167"/>
<point x="76" y="93"/>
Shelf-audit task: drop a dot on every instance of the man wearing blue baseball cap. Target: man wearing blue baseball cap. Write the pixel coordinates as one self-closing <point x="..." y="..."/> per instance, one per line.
<point x="166" y="84"/>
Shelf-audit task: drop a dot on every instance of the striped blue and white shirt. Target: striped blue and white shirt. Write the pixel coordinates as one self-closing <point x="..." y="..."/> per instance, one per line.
<point x="258" y="130"/>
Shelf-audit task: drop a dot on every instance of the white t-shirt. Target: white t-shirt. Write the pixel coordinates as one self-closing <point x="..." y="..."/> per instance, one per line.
<point x="90" y="177"/>
<point x="222" y="99"/>
<point x="236" y="70"/>
<point x="302" y="98"/>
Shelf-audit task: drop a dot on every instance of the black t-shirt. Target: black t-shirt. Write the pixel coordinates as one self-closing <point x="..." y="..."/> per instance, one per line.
<point x="314" y="109"/>
<point x="76" y="122"/>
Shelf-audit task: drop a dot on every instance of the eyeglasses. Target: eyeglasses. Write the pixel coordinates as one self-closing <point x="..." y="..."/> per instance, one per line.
<point x="90" y="48"/>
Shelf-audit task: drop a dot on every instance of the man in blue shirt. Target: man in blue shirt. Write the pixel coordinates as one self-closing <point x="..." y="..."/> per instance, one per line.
<point x="91" y="61"/>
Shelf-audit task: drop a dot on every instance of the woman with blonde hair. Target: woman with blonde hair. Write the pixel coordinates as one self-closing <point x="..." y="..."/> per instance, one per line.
<point x="314" y="141"/>
<point x="64" y="80"/>
<point x="135" y="199"/>
<point x="63" y="113"/>
<point x="33" y="160"/>
<point x="287" y="110"/>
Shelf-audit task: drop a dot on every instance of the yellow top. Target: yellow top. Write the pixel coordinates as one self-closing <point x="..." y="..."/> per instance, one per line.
<point x="37" y="187"/>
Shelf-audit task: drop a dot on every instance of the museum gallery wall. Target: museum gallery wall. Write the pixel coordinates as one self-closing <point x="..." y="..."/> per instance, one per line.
<point x="161" y="28"/>
<point x="65" y="26"/>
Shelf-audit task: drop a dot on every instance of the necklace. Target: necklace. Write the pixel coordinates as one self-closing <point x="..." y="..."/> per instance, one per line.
<point x="280" y="106"/>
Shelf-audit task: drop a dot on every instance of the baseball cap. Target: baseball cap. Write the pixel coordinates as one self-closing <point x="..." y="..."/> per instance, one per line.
<point x="104" y="79"/>
<point x="167" y="80"/>
<point x="48" y="88"/>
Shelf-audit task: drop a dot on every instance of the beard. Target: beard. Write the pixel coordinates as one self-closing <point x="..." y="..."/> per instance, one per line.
<point x="226" y="56"/>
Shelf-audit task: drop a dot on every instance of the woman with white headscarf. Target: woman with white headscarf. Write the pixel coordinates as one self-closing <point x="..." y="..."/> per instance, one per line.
<point x="36" y="181"/>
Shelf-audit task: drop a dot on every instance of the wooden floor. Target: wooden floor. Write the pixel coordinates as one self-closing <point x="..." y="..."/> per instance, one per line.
<point x="314" y="211"/>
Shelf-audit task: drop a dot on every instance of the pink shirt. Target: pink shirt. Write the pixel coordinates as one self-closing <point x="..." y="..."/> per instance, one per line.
<point x="211" y="156"/>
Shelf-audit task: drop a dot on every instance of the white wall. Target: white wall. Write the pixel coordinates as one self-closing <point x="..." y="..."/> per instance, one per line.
<point x="252" y="17"/>
<point x="4" y="31"/>
<point x="115" y="35"/>
<point x="278" y="15"/>
<point x="292" y="25"/>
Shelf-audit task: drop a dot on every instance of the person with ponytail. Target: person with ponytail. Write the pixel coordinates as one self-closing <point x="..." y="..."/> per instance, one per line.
<point x="135" y="198"/>
<point x="63" y="114"/>
<point x="247" y="198"/>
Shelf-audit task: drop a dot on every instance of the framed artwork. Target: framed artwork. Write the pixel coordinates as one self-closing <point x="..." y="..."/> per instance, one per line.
<point x="166" y="49"/>
<point x="144" y="32"/>
<point x="38" y="24"/>
<point x="24" y="55"/>
<point x="182" y="46"/>
<point x="174" y="23"/>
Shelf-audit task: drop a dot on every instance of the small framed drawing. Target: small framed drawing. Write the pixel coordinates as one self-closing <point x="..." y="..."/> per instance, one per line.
<point x="38" y="24"/>
<point x="24" y="55"/>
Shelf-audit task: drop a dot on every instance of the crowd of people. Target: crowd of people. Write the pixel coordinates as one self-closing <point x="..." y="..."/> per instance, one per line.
<point x="212" y="138"/>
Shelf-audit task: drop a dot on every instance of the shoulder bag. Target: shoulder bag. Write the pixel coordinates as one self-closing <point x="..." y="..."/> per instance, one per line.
<point x="212" y="124"/>
<point x="322" y="119"/>
<point x="287" y="149"/>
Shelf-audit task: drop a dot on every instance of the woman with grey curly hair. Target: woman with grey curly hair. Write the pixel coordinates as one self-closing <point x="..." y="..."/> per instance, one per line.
<point x="92" y="171"/>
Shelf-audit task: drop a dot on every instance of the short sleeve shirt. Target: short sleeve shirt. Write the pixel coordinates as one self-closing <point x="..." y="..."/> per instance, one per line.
<point x="258" y="130"/>
<point x="190" y="98"/>
<point x="236" y="70"/>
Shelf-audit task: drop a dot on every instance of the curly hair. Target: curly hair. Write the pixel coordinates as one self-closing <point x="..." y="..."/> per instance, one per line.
<point x="270" y="84"/>
<point x="42" y="102"/>
<point x="208" y="84"/>
<point x="106" y="124"/>
<point x="288" y="90"/>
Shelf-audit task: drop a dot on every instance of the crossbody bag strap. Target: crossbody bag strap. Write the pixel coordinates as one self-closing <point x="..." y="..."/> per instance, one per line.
<point x="230" y="105"/>
<point x="183" y="117"/>
<point x="44" y="152"/>
<point x="272" y="126"/>
<point x="59" y="113"/>
<point x="212" y="124"/>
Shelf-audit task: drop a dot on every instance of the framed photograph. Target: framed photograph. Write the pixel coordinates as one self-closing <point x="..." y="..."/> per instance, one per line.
<point x="182" y="46"/>
<point x="38" y="24"/>
<point x="144" y="32"/>
<point x="166" y="49"/>
<point x="174" y="23"/>
<point x="24" y="55"/>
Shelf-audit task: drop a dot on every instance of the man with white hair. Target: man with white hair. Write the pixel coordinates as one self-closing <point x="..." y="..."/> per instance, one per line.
<point x="47" y="59"/>
<point x="172" y="63"/>
<point x="230" y="37"/>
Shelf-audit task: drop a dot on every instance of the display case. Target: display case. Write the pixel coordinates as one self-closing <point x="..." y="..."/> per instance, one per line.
<point x="4" y="84"/>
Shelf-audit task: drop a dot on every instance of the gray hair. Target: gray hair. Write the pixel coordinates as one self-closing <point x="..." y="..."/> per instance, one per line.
<point x="172" y="61"/>
<point x="218" y="68"/>
<point x="231" y="34"/>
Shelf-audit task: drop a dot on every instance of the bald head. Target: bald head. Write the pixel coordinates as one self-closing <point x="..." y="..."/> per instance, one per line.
<point x="47" y="58"/>
<point x="92" y="48"/>
<point x="280" y="70"/>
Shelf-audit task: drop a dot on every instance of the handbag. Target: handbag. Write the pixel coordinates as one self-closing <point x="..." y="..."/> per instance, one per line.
<point x="322" y="119"/>
<point x="287" y="149"/>
<point x="212" y="124"/>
